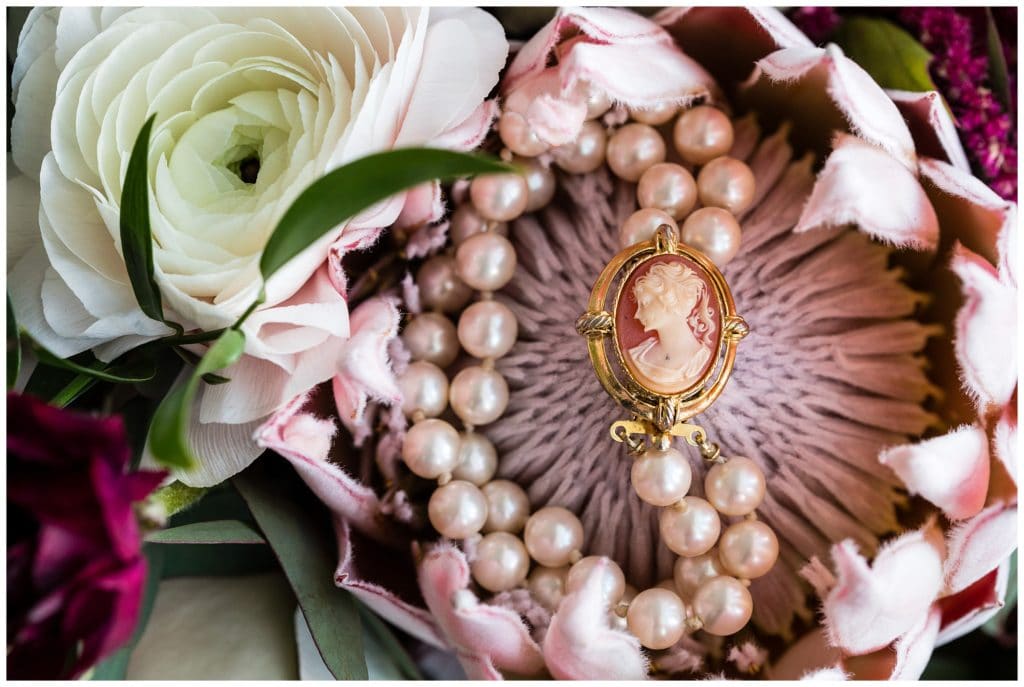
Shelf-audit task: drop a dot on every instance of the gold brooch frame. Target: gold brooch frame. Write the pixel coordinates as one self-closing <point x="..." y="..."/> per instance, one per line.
<point x="657" y="413"/>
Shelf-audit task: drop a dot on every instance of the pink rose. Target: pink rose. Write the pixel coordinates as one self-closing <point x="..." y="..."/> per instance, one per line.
<point x="252" y="106"/>
<point x="75" y="570"/>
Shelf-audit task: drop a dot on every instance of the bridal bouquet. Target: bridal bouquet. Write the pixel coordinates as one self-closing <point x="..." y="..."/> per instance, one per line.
<point x="242" y="251"/>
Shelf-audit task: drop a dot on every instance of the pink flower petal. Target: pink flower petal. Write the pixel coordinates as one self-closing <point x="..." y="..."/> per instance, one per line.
<point x="871" y="606"/>
<point x="870" y="113"/>
<point x="951" y="471"/>
<point x="580" y="644"/>
<point x="304" y="440"/>
<point x="972" y="607"/>
<point x="485" y="637"/>
<point x="932" y="126"/>
<point x="1005" y="439"/>
<point x="423" y="204"/>
<point x="914" y="649"/>
<point x="415" y="620"/>
<point x="807" y="657"/>
<point x="364" y="370"/>
<point x="865" y="186"/>
<point x="470" y="133"/>
<point x="979" y="545"/>
<point x="833" y="674"/>
<point x="729" y="40"/>
<point x="601" y="24"/>
<point x="986" y="330"/>
<point x="972" y="213"/>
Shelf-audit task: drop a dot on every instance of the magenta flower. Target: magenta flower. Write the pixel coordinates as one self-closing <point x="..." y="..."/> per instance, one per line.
<point x="75" y="571"/>
<point x="873" y="374"/>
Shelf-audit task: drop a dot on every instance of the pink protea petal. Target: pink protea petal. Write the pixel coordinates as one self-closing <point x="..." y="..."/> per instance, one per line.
<point x="914" y="649"/>
<point x="971" y="607"/>
<point x="1005" y="439"/>
<point x="423" y="204"/>
<point x="580" y="644"/>
<point x="978" y="546"/>
<point x="304" y="441"/>
<point x="807" y="657"/>
<point x="485" y="637"/>
<point x="832" y="674"/>
<point x="602" y="24"/>
<point x="364" y="369"/>
<point x="870" y="113"/>
<point x="986" y="327"/>
<point x="865" y="186"/>
<point x="972" y="213"/>
<point x="931" y="126"/>
<point x="415" y="620"/>
<point x="951" y="470"/>
<point x="871" y="606"/>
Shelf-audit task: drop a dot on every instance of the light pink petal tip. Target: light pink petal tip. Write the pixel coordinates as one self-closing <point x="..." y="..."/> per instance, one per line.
<point x="871" y="606"/>
<point x="932" y="126"/>
<point x="986" y="330"/>
<point x="951" y="470"/>
<point x="870" y="113"/>
<point x="305" y="441"/>
<point x="364" y="369"/>
<point x="580" y="644"/>
<point x="777" y="30"/>
<point x="865" y="186"/>
<point x="980" y="545"/>
<point x="486" y="638"/>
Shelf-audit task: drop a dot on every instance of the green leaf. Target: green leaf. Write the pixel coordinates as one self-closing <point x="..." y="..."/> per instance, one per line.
<point x="348" y="190"/>
<point x="136" y="234"/>
<point x="389" y="644"/>
<point x="210" y="532"/>
<point x="115" y="666"/>
<point x="13" y="346"/>
<point x="889" y="54"/>
<point x="122" y="374"/>
<point x="168" y="431"/>
<point x="300" y="539"/>
<point x="997" y="72"/>
<point x="75" y="388"/>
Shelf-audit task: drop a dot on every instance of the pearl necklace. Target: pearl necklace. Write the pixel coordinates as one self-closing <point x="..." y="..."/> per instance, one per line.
<point x="709" y="587"/>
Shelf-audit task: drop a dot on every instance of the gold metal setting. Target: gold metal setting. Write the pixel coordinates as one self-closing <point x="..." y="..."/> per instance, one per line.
<point x="656" y="414"/>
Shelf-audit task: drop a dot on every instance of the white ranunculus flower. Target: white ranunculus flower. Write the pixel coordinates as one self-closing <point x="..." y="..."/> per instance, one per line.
<point x="252" y="106"/>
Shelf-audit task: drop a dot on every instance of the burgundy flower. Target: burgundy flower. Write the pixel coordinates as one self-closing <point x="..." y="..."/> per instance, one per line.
<point x="74" y="566"/>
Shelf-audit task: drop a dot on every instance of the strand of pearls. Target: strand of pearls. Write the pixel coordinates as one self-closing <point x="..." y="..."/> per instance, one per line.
<point x="709" y="587"/>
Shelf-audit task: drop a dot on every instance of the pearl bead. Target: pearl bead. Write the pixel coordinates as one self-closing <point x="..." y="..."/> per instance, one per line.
<point x="518" y="136"/>
<point x="669" y="187"/>
<point x="466" y="222"/>
<point x="659" y="114"/>
<point x="540" y="183"/>
<point x="657" y="617"/>
<point x="690" y="572"/>
<point x="613" y="582"/>
<point x="633" y="149"/>
<point x="478" y="460"/>
<point x="501" y="562"/>
<point x="597" y="99"/>
<point x="661" y="477"/>
<point x="723" y="605"/>
<point x="431" y="448"/>
<point x="692" y="530"/>
<point x="431" y="337"/>
<point x="457" y="510"/>
<point x="486" y="261"/>
<point x="440" y="287"/>
<point x="547" y="585"/>
<point x="726" y="182"/>
<point x="487" y="329"/>
<point x="508" y="506"/>
<point x="499" y="197"/>
<point x="478" y="395"/>
<point x="714" y="232"/>
<point x="735" y="487"/>
<point x="701" y="134"/>
<point x="424" y="387"/>
<point x="586" y="153"/>
<point x="642" y="225"/>
<point x="552" y="535"/>
<point x="748" y="549"/>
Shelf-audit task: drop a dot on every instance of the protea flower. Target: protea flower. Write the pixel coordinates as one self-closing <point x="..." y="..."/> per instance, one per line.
<point x="877" y="389"/>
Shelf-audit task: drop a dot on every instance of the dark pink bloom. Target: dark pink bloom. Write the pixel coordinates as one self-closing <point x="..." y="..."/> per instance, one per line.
<point x="75" y="571"/>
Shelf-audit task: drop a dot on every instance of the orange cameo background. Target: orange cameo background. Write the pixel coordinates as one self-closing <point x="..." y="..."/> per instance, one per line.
<point x="667" y="324"/>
